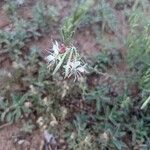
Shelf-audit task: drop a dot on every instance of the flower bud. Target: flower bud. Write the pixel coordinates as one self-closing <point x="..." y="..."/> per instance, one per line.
<point x="62" y="49"/>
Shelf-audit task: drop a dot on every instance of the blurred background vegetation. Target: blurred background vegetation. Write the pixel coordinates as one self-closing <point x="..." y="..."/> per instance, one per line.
<point x="110" y="108"/>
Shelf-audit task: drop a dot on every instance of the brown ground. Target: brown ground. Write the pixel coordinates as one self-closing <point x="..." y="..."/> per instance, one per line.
<point x="5" y="137"/>
<point x="11" y="135"/>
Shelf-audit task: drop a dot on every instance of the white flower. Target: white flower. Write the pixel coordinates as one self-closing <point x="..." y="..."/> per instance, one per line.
<point x="76" y="69"/>
<point x="53" y="55"/>
<point x="67" y="57"/>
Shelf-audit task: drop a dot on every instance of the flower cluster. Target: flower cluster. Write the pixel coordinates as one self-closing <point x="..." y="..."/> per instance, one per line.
<point x="76" y="69"/>
<point x="65" y="59"/>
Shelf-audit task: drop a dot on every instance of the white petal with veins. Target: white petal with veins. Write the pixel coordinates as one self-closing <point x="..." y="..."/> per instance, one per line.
<point x="50" y="58"/>
<point x="56" y="48"/>
<point x="81" y="69"/>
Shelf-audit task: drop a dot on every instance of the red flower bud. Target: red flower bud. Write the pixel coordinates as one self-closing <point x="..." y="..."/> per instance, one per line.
<point x="62" y="49"/>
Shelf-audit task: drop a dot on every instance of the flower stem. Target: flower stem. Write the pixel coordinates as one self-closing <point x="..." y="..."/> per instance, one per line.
<point x="60" y="63"/>
<point x="68" y="62"/>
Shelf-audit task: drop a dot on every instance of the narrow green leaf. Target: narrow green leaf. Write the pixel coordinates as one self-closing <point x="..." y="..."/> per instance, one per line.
<point x="60" y="63"/>
<point x="145" y="103"/>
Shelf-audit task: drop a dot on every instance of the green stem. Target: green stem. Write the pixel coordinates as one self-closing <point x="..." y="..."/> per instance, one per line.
<point x="60" y="63"/>
<point x="145" y="103"/>
<point x="135" y="5"/>
<point x="68" y="62"/>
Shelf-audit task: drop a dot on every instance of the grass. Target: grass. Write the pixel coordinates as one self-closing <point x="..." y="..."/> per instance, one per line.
<point x="108" y="109"/>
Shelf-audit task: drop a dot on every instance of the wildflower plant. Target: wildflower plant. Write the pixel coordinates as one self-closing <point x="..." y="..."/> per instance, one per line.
<point x="64" y="57"/>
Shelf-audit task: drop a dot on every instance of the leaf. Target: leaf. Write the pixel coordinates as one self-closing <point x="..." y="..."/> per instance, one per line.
<point x="60" y="63"/>
<point x="119" y="144"/>
<point x="71" y="23"/>
<point x="145" y="103"/>
<point x="17" y="114"/>
<point x="9" y="117"/>
<point x="68" y="62"/>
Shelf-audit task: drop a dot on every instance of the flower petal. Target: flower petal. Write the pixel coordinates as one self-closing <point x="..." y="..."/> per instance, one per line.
<point x="50" y="58"/>
<point x="56" y="48"/>
<point x="81" y="69"/>
<point x="75" y="64"/>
